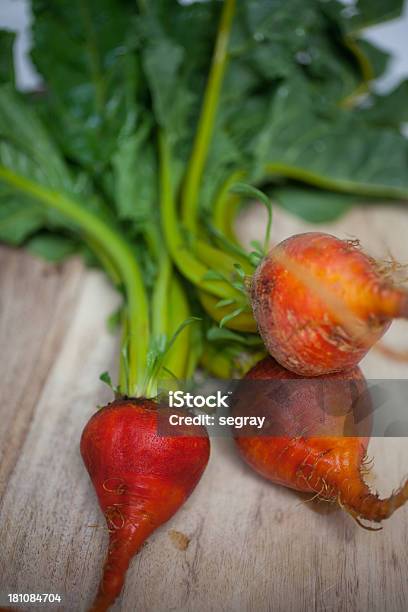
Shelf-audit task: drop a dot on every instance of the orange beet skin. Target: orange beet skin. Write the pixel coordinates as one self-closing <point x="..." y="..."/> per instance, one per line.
<point x="308" y="449"/>
<point x="320" y="303"/>
<point x="141" y="478"/>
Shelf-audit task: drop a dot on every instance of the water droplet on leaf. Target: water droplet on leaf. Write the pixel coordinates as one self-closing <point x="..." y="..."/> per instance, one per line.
<point x="259" y="37"/>
<point x="303" y="57"/>
<point x="349" y="11"/>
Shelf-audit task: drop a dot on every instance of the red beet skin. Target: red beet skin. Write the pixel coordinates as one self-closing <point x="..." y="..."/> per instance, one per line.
<point x="319" y="458"/>
<point x="320" y="303"/>
<point x="141" y="478"/>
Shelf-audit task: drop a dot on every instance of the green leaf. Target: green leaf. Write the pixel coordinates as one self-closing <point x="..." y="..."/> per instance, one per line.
<point x="224" y="154"/>
<point x="378" y="58"/>
<point x="257" y="246"/>
<point x="231" y="315"/>
<point x="25" y="145"/>
<point x="229" y="246"/>
<point x="91" y="75"/>
<point x="19" y="218"/>
<point x="240" y="271"/>
<point x="7" y="39"/>
<point x="52" y="247"/>
<point x="313" y="205"/>
<point x="280" y="110"/>
<point x="26" y="148"/>
<point x="257" y="194"/>
<point x="295" y="36"/>
<point x="221" y="334"/>
<point x="158" y="351"/>
<point x="342" y="152"/>
<point x="135" y="176"/>
<point x="183" y="325"/>
<point x="240" y="286"/>
<point x="226" y="302"/>
<point x="370" y="12"/>
<point x="163" y="79"/>
<point x="105" y="377"/>
<point x="30" y="164"/>
<point x="390" y="109"/>
<point x="255" y="258"/>
<point x="213" y="275"/>
<point x="176" y="44"/>
<point x="251" y="192"/>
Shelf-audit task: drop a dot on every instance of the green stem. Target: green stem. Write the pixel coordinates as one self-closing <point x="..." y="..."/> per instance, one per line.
<point x="159" y="299"/>
<point x="217" y="362"/>
<point x="343" y="185"/>
<point x="243" y="322"/>
<point x="225" y="206"/>
<point x="122" y="257"/>
<point x="207" y="119"/>
<point x="218" y="259"/>
<point x="225" y="363"/>
<point x="123" y="359"/>
<point x="188" y="265"/>
<point x="178" y="312"/>
<point x="240" y="255"/>
<point x="161" y="287"/>
<point x="169" y="307"/>
<point x="196" y="348"/>
<point x="366" y="69"/>
<point x="105" y="261"/>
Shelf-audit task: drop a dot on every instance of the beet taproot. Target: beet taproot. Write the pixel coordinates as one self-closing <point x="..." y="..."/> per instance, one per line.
<point x="140" y="476"/>
<point x="321" y="303"/>
<point x="315" y="436"/>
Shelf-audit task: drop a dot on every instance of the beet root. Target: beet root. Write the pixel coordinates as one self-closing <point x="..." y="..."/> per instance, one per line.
<point x="320" y="303"/>
<point x="141" y="478"/>
<point x="315" y="438"/>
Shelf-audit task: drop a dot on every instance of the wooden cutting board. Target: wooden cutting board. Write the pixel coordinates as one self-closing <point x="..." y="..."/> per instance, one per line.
<point x="253" y="546"/>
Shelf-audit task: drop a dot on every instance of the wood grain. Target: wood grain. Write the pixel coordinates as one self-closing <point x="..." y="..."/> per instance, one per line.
<point x="253" y="546"/>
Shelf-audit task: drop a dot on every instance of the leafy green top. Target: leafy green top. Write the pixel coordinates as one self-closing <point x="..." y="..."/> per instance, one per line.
<point x="154" y="112"/>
